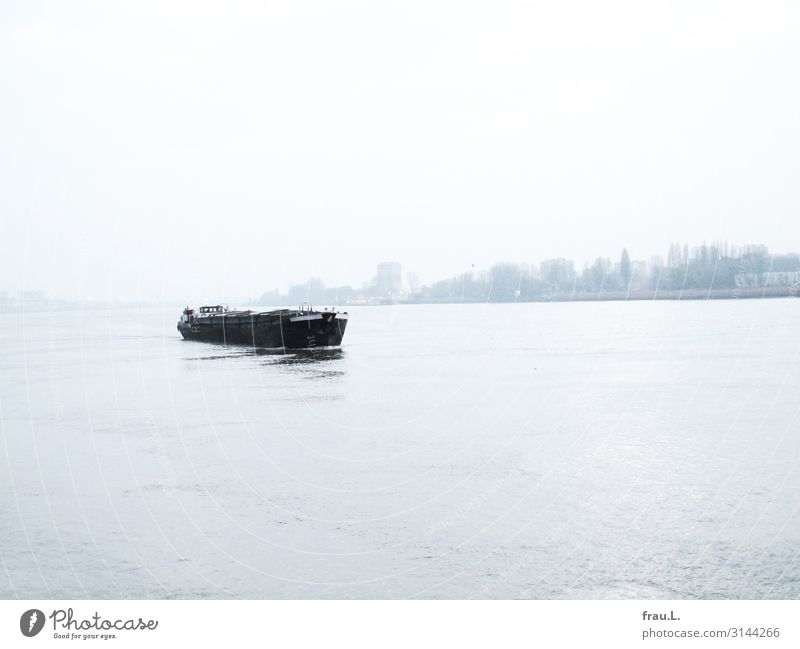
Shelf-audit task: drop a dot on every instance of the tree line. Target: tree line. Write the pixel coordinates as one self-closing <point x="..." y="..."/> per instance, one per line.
<point x="706" y="267"/>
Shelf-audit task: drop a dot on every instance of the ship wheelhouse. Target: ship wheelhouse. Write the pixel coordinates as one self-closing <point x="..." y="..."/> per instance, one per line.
<point x="208" y="310"/>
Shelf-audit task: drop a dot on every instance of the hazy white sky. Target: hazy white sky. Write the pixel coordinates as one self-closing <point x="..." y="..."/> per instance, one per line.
<point x="171" y="150"/>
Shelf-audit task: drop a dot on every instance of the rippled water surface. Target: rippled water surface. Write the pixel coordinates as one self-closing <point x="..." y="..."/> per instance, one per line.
<point x="592" y="450"/>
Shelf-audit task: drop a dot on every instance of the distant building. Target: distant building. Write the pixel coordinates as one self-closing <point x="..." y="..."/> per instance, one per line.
<point x="757" y="250"/>
<point x="389" y="279"/>
<point x="339" y="295"/>
<point x="558" y="273"/>
<point x="32" y="296"/>
<point x="788" y="278"/>
<point x="271" y="298"/>
<point x="312" y="292"/>
<point x="747" y="280"/>
<point x="413" y="283"/>
<point x="638" y="273"/>
<point x="760" y="280"/>
<point x="639" y="270"/>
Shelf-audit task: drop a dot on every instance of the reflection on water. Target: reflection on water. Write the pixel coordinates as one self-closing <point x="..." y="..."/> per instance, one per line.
<point x="277" y="356"/>
<point x="320" y="364"/>
<point x="305" y="356"/>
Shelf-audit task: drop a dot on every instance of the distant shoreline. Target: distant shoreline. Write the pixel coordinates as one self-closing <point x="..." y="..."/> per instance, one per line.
<point x="578" y="296"/>
<point x="686" y="294"/>
<point x="638" y="296"/>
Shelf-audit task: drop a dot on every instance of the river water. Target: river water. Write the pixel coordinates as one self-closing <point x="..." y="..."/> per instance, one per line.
<point x="571" y="450"/>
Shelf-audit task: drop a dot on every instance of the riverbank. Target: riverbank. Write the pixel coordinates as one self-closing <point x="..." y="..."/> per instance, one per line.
<point x="625" y="296"/>
<point x="686" y="294"/>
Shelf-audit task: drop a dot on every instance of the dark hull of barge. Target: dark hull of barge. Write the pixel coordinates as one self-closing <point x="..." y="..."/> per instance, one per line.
<point x="272" y="329"/>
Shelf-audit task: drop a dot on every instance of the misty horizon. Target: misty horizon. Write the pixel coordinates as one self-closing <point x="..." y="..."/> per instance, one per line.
<point x="408" y="282"/>
<point x="165" y="151"/>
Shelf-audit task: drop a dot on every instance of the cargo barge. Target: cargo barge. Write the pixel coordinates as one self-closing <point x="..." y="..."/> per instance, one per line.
<point x="301" y="328"/>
